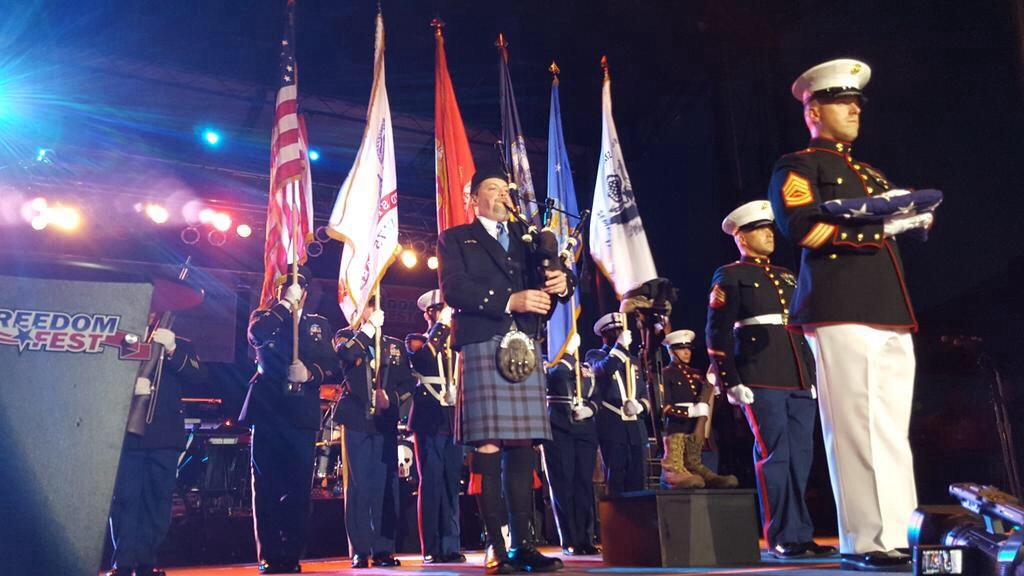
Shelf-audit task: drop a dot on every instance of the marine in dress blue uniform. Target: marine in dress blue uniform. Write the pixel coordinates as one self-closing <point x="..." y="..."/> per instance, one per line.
<point x="687" y="400"/>
<point x="769" y="372"/>
<point x="622" y="433"/>
<point x="140" y="512"/>
<point x="282" y="407"/>
<point x="853" y="306"/>
<point x="432" y="421"/>
<point x="491" y="278"/>
<point x="372" y="389"/>
<point x="571" y="454"/>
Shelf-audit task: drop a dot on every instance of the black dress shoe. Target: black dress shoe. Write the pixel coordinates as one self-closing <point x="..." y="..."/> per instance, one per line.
<point x="454" y="558"/>
<point x="360" y="561"/>
<point x="385" y="560"/>
<point x="788" y="550"/>
<point x="569" y="551"/>
<point x="815" y="549"/>
<point x="119" y="572"/>
<point x="432" y="559"/>
<point x="587" y="550"/>
<point x="528" y="559"/>
<point x="497" y="562"/>
<point x="275" y="567"/>
<point x="876" y="561"/>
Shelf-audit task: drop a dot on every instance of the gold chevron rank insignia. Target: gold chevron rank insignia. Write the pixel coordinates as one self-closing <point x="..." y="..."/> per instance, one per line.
<point x="717" y="297"/>
<point x="818" y="235"/>
<point x="796" y="191"/>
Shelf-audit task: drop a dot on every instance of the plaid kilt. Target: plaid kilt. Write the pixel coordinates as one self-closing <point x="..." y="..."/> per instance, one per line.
<point x="491" y="407"/>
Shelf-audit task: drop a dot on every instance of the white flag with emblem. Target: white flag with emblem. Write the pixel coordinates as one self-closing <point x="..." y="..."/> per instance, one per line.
<point x="365" y="215"/>
<point x="618" y="242"/>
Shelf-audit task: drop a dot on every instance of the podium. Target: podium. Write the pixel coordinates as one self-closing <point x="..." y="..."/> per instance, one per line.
<point x="65" y="390"/>
<point x="676" y="528"/>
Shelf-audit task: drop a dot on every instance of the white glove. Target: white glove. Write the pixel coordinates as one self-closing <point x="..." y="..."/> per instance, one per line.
<point x="632" y="407"/>
<point x="739" y="395"/>
<point x="581" y="413"/>
<point x="572" y="345"/>
<point x="375" y="321"/>
<point x="445" y="317"/>
<point x="894" y="193"/>
<point x="625" y="338"/>
<point x="292" y="294"/>
<point x="699" y="409"/>
<point x="298" y="373"/>
<point x="905" y="222"/>
<point x="143" y="387"/>
<point x="382" y="400"/>
<point x="165" y="338"/>
<point x="449" y="396"/>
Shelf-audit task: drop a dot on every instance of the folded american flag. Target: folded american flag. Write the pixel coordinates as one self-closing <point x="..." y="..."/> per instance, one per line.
<point x="878" y="208"/>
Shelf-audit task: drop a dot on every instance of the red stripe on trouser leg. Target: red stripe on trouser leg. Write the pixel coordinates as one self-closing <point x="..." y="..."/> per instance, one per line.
<point x="762" y="493"/>
<point x="476" y="482"/>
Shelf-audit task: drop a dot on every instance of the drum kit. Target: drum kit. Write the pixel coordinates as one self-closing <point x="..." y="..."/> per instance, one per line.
<point x="329" y="471"/>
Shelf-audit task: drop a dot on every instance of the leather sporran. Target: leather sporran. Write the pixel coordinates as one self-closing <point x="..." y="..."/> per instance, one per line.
<point x="516" y="356"/>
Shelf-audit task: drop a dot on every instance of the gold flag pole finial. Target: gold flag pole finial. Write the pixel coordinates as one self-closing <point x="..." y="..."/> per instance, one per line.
<point x="437" y="24"/>
<point x="501" y="43"/>
<point x="554" y="69"/>
<point x="604" y="66"/>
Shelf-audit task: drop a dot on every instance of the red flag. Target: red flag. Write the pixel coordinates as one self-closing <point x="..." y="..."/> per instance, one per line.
<point x="290" y="206"/>
<point x="454" y="160"/>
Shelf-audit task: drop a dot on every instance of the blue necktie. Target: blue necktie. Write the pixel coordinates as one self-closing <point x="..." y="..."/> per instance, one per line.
<point x="502" y="236"/>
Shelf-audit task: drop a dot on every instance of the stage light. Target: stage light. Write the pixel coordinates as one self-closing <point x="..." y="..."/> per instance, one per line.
<point x="244" y="230"/>
<point x="157" y="213"/>
<point x="211" y="137"/>
<point x="39" y="204"/>
<point x="216" y="238"/>
<point x="65" y="217"/>
<point x="41" y="155"/>
<point x="432" y="262"/>
<point x="409" y="258"/>
<point x="40" y="222"/>
<point x="190" y="235"/>
<point x="206" y="215"/>
<point x="221" y="221"/>
<point x="314" y="155"/>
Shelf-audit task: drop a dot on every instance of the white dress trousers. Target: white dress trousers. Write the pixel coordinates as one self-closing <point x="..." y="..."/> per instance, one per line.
<point x="865" y="389"/>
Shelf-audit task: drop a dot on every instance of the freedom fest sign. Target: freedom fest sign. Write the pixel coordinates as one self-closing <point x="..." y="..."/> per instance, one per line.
<point x="55" y="331"/>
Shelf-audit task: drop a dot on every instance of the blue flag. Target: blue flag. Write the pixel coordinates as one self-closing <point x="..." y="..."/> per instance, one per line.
<point x="562" y="193"/>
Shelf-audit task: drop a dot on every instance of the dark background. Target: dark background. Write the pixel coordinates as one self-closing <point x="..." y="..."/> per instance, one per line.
<point x="702" y="106"/>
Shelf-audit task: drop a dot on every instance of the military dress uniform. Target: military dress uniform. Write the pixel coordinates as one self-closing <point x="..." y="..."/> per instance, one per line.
<point x="749" y="343"/>
<point x="438" y="457"/>
<point x="853" y="306"/>
<point x="571" y="454"/>
<point x="370" y="442"/>
<point x="284" y="429"/>
<point x="623" y="438"/>
<point x="686" y="392"/>
<point x="140" y="512"/>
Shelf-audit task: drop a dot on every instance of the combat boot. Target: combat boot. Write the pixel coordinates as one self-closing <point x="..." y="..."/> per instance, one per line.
<point x="674" y="473"/>
<point x="694" y="447"/>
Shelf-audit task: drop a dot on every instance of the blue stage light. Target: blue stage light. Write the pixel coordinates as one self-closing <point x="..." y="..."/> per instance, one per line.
<point x="314" y="155"/>
<point x="211" y="137"/>
<point x="44" y="155"/>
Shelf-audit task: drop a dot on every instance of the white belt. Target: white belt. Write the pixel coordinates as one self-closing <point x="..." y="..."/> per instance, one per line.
<point x="774" y="319"/>
<point x="618" y="411"/>
<point x="429" y="382"/>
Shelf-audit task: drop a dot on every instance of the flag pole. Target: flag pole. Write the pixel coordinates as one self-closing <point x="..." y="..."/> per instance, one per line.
<point x="292" y="186"/>
<point x="376" y="354"/>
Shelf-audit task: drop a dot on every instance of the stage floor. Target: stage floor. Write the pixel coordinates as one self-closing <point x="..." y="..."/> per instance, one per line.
<point x="412" y="564"/>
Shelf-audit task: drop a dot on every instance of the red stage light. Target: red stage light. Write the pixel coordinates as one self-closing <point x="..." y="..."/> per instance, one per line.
<point x="221" y="221"/>
<point x="244" y="230"/>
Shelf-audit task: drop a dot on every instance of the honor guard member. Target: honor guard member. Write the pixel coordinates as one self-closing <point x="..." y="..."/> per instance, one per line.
<point x="140" y="513"/>
<point x="751" y="350"/>
<point x="432" y="422"/>
<point x="283" y="409"/>
<point x="621" y="431"/>
<point x="492" y="279"/>
<point x="854" y="308"/>
<point x="686" y="413"/>
<point x="372" y="389"/>
<point x="570" y="456"/>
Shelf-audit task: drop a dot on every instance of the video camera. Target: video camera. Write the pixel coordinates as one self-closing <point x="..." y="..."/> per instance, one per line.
<point x="981" y="536"/>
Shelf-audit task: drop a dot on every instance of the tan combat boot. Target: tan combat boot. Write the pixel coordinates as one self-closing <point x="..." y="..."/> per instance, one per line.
<point x="694" y="446"/>
<point x="673" y="465"/>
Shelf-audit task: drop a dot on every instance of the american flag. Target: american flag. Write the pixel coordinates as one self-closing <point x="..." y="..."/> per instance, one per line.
<point x="290" y="206"/>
